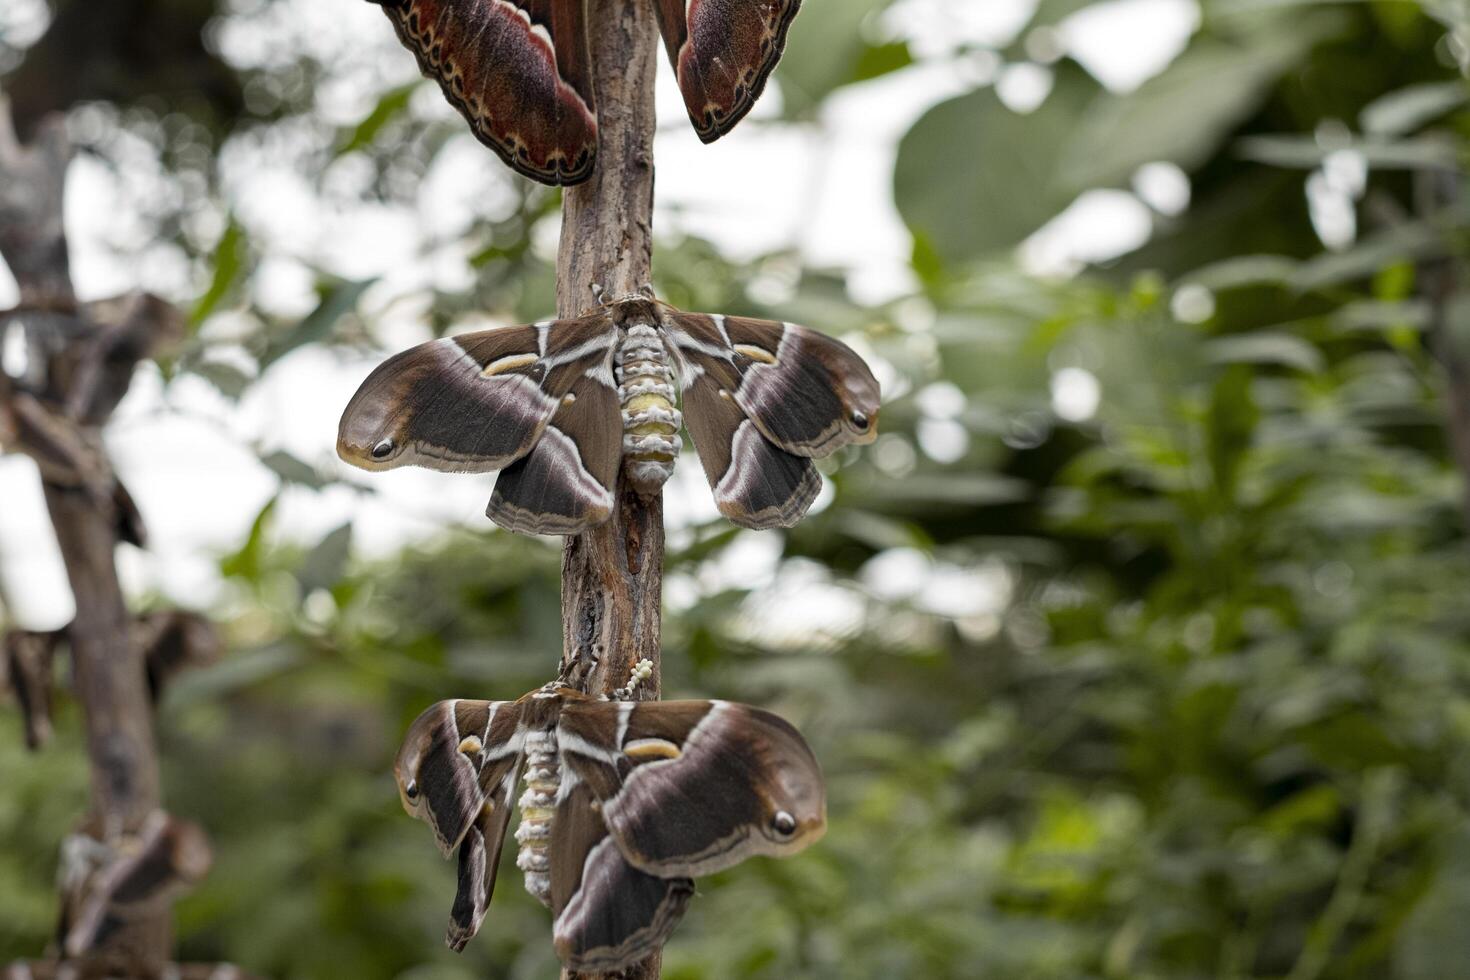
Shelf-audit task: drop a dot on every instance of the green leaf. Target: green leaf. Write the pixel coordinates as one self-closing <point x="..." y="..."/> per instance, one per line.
<point x="248" y="562"/>
<point x="1407" y="242"/>
<point x="824" y="50"/>
<point x="1434" y="943"/>
<point x="230" y="380"/>
<point x="974" y="177"/>
<point x="337" y="301"/>
<point x="391" y="105"/>
<point x="1306" y="153"/>
<point x="293" y="470"/>
<point x="881" y="60"/>
<point x="1243" y="272"/>
<point x="233" y="673"/>
<point x="1265" y="347"/>
<point x="322" y="568"/>
<point x="1405" y="111"/>
<point x="228" y="261"/>
<point x="1184" y="114"/>
<point x="1232" y="423"/>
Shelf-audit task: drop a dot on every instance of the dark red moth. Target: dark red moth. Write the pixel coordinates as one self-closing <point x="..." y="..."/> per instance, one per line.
<point x="520" y="70"/>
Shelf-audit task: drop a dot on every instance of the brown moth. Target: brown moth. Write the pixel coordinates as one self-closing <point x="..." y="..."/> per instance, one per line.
<point x="559" y="406"/>
<point x="107" y="884"/>
<point x="26" y="668"/>
<point x="68" y="454"/>
<point x="520" y="70"/>
<point x="172" y="642"/>
<point x="624" y="804"/>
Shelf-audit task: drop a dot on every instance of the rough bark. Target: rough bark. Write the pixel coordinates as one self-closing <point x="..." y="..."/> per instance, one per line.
<point x="108" y="671"/>
<point x="612" y="577"/>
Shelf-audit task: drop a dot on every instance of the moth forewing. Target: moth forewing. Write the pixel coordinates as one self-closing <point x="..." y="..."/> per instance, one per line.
<point x="434" y="406"/>
<point x="808" y="393"/>
<point x="438" y="781"/>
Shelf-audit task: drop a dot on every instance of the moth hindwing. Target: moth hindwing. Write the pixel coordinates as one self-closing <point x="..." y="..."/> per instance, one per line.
<point x="560" y="406"/>
<point x="723" y="52"/>
<point x="519" y="72"/>
<point x="625" y="804"/>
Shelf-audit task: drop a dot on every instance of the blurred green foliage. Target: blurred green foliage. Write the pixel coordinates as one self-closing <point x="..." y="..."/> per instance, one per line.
<point x="1176" y="685"/>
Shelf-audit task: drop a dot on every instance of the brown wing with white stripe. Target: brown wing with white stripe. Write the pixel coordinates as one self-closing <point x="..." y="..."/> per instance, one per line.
<point x="688" y="788"/>
<point x="565" y="484"/>
<point x="457" y="772"/>
<point x="808" y="393"/>
<point x="606" y="914"/>
<point x="756" y="483"/>
<point x="472" y="403"/>
<point x="536" y="401"/>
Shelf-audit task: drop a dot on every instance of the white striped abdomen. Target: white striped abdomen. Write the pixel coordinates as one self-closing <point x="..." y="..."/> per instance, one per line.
<point x="538" y="804"/>
<point x="650" y="421"/>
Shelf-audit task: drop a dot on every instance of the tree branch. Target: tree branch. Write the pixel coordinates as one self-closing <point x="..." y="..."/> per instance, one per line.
<point x="107" y="669"/>
<point x="612" y="576"/>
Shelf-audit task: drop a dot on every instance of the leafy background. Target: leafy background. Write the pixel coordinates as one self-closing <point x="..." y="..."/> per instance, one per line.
<point x="1136" y="647"/>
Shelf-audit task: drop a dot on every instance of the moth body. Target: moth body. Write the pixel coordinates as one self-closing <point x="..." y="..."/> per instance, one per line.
<point x="538" y="806"/>
<point x="651" y="423"/>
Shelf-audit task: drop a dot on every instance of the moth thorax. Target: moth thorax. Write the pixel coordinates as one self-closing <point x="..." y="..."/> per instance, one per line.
<point x="651" y="423"/>
<point x="538" y="803"/>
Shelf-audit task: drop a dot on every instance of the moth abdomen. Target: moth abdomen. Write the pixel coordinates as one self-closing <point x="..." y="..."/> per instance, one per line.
<point x="651" y="423"/>
<point x="538" y="805"/>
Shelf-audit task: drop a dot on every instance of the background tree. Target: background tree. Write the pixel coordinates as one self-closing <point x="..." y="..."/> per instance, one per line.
<point x="1137" y="644"/>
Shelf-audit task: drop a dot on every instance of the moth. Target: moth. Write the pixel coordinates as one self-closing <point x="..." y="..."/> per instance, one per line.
<point x="520" y="70"/>
<point x="27" y="670"/>
<point x="172" y="642"/>
<point x="121" y="332"/>
<point x="625" y="803"/>
<point x="559" y="406"/>
<point x="68" y="454"/>
<point x="106" y="885"/>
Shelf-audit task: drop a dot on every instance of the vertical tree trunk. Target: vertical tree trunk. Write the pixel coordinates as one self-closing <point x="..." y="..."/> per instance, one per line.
<point x="109" y="681"/>
<point x="612" y="576"/>
<point x="108" y="672"/>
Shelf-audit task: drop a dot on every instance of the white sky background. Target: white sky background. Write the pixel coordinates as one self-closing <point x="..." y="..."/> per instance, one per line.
<point x="190" y="456"/>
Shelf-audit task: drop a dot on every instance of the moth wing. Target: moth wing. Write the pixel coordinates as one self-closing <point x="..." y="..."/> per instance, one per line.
<point x="688" y="788"/>
<point x="606" y="914"/>
<point x="518" y="71"/>
<point x="471" y="403"/>
<point x="479" y="851"/>
<point x="723" y="51"/>
<point x="457" y="772"/>
<point x="808" y="393"/>
<point x="565" y="484"/>
<point x="27" y="667"/>
<point x="756" y="483"/>
<point x="166" y="858"/>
